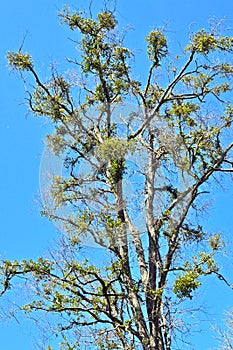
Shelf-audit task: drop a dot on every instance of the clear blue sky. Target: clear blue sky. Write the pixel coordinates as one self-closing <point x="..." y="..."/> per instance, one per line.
<point x="24" y="234"/>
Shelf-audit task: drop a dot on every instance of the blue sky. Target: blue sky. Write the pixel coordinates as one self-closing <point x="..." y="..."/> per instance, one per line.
<point x="24" y="234"/>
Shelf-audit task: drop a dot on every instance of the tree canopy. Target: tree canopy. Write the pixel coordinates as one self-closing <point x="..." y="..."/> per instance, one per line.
<point x="141" y="159"/>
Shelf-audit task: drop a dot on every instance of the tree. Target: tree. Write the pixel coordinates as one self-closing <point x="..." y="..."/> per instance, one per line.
<point x="167" y="139"/>
<point x="225" y="337"/>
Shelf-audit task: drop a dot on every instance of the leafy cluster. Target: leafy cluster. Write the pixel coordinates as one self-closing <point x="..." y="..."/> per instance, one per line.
<point x="203" y="264"/>
<point x="102" y="55"/>
<point x="157" y="46"/>
<point x="20" y="61"/>
<point x="204" y="42"/>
